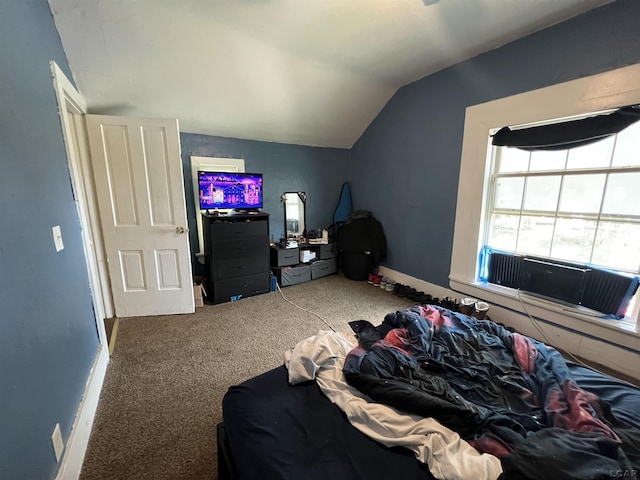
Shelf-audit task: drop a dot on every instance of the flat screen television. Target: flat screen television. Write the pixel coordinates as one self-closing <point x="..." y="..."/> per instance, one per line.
<point x="223" y="190"/>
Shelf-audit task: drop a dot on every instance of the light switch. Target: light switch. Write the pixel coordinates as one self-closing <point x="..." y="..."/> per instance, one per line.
<point x="57" y="238"/>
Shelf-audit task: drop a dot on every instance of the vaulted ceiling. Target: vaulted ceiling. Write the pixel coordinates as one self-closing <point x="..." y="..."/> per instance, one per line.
<point x="311" y="72"/>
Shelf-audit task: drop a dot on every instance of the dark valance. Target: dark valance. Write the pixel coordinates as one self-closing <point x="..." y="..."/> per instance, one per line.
<point x="560" y="136"/>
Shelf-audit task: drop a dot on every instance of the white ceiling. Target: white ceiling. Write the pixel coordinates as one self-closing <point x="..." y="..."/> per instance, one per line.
<point x="311" y="72"/>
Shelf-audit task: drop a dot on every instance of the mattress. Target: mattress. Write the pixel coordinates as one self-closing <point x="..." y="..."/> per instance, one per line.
<point x="275" y="430"/>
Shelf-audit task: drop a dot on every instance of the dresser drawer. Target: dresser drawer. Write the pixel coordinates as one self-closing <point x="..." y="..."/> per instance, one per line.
<point x="224" y="231"/>
<point x="293" y="275"/>
<point x="240" y="248"/>
<point x="328" y="250"/>
<point x="239" y="287"/>
<point x="238" y="267"/>
<point x="320" y="268"/>
<point x="283" y="257"/>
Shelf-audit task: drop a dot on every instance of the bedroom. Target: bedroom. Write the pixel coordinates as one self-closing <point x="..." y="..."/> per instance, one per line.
<point x="48" y="348"/>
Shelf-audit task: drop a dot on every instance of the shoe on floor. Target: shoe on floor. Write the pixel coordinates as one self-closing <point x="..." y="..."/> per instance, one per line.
<point x="425" y="299"/>
<point x="416" y="295"/>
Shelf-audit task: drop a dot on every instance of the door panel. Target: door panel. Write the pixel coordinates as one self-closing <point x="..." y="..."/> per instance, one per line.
<point x="119" y="178"/>
<point x="132" y="268"/>
<point x="160" y="194"/>
<point x="140" y="190"/>
<point x="168" y="269"/>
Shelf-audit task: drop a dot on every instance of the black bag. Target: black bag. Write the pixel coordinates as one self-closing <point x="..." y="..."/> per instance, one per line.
<point x="361" y="244"/>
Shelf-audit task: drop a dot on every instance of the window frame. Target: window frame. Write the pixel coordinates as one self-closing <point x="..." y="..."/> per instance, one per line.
<point x="597" y="93"/>
<point x="599" y="217"/>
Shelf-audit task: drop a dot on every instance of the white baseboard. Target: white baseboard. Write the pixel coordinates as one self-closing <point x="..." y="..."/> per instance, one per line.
<point x="78" y="440"/>
<point x="421" y="285"/>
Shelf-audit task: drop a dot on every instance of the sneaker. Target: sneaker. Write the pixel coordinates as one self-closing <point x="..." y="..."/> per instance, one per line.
<point x="481" y="309"/>
<point x="371" y="278"/>
<point x="406" y="292"/>
<point x="390" y="285"/>
<point x="415" y="295"/>
<point x="447" y="303"/>
<point x="377" y="280"/>
<point x="425" y="299"/>
<point x="383" y="282"/>
<point x="468" y="306"/>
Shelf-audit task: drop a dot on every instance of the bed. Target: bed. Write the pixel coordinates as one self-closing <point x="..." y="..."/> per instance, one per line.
<point x="429" y="393"/>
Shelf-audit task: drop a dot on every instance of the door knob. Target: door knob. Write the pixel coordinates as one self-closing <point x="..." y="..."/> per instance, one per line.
<point x="180" y="230"/>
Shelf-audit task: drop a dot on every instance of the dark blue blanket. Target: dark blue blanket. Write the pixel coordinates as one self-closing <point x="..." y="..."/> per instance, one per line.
<point x="505" y="393"/>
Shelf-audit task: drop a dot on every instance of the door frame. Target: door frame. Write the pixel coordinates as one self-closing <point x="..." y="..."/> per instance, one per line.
<point x="208" y="164"/>
<point x="72" y="107"/>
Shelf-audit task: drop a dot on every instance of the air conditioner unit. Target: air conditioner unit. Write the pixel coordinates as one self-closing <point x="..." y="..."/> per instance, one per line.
<point x="592" y="287"/>
<point x="554" y="280"/>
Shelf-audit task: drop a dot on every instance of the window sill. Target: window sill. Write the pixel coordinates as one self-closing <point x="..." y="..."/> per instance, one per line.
<point x="617" y="332"/>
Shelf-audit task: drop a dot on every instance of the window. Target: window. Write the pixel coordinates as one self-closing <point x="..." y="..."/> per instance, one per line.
<point x="576" y="205"/>
<point x="528" y="184"/>
<point x="579" y="205"/>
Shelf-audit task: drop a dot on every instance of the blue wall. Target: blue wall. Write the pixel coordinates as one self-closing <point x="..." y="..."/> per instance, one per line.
<point x="405" y="166"/>
<point x="48" y="338"/>
<point x="320" y="172"/>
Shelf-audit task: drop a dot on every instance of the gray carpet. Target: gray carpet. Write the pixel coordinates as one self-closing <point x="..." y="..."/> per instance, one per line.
<point x="163" y="390"/>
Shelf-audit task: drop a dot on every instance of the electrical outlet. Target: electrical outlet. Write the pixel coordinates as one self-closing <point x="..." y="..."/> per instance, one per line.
<point x="58" y="443"/>
<point x="57" y="238"/>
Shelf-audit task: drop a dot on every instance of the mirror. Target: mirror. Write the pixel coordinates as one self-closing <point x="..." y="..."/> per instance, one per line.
<point x="294" y="213"/>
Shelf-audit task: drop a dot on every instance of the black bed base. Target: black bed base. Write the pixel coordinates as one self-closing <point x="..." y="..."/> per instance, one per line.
<point x="226" y="470"/>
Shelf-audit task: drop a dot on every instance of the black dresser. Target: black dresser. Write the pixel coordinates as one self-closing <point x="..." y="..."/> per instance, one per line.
<point x="236" y="249"/>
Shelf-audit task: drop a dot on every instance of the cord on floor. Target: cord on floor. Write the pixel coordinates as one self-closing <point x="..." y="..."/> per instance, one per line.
<point x="302" y="308"/>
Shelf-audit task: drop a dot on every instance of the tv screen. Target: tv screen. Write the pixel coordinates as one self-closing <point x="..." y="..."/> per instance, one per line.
<point x="241" y="191"/>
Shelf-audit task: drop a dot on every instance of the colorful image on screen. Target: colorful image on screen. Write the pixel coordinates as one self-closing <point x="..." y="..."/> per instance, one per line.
<point x="219" y="190"/>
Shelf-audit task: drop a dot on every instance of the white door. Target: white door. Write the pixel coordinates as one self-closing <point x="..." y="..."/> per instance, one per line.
<point x="140" y="191"/>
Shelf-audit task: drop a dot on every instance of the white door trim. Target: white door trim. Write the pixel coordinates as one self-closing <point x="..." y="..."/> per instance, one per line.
<point x="71" y="102"/>
<point x="209" y="164"/>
